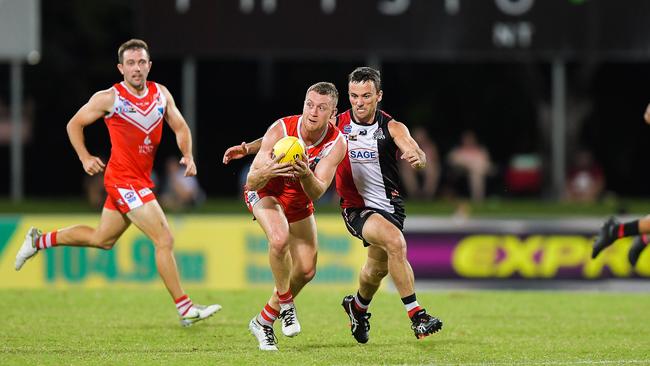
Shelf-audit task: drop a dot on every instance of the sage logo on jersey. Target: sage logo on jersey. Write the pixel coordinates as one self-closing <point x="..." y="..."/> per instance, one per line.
<point x="363" y="155"/>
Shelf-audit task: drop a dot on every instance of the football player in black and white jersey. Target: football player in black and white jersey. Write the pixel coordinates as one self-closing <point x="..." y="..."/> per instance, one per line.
<point x="372" y="206"/>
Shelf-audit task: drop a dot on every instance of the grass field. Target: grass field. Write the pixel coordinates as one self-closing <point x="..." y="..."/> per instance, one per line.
<point x="131" y="326"/>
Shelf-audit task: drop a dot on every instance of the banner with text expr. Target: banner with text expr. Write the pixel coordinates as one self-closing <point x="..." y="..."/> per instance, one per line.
<point x="231" y="252"/>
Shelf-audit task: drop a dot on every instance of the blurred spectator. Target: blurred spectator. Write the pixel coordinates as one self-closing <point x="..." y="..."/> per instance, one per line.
<point x="179" y="191"/>
<point x="523" y="175"/>
<point x="471" y="160"/>
<point x="422" y="183"/>
<point x="585" y="181"/>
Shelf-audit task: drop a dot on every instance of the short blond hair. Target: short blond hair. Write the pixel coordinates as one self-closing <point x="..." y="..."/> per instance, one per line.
<point x="132" y="44"/>
<point x="326" y="88"/>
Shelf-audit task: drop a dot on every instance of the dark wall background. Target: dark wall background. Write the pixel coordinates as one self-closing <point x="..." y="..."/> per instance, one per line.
<point x="503" y="101"/>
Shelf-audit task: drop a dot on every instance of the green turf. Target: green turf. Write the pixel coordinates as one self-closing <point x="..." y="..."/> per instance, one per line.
<point x="119" y="327"/>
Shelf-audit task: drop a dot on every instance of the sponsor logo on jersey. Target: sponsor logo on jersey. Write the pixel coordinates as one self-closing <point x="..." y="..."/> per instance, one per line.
<point x="252" y="197"/>
<point x="147" y="148"/>
<point x="363" y="155"/>
<point x="124" y="107"/>
<point x="347" y="129"/>
<point x="351" y="137"/>
<point x="378" y="134"/>
<point x="144" y="192"/>
<point x="363" y="132"/>
<point x="130" y="197"/>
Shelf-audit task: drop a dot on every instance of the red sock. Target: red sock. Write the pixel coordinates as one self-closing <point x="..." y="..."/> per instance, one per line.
<point x="183" y="304"/>
<point x="268" y="315"/>
<point x="285" y="298"/>
<point x="46" y="240"/>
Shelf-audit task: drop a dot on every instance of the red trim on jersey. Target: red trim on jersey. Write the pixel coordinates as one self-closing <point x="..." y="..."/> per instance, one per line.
<point x="345" y="186"/>
<point x="620" y="231"/>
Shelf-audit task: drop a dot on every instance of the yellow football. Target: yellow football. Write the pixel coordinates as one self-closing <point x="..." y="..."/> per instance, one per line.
<point x="291" y="146"/>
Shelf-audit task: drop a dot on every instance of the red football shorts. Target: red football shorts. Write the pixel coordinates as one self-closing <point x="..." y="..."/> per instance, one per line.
<point x="294" y="211"/>
<point x="127" y="197"/>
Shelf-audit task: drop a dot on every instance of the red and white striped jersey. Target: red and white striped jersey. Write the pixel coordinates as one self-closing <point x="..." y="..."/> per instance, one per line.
<point x="135" y="129"/>
<point x="368" y="176"/>
<point x="291" y="188"/>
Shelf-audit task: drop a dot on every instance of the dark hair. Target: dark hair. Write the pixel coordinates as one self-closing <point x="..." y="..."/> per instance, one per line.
<point x="325" y="88"/>
<point x="131" y="44"/>
<point x="363" y="74"/>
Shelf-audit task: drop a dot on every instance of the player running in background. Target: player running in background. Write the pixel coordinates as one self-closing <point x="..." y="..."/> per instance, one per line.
<point x="613" y="230"/>
<point x="133" y="110"/>
<point x="372" y="206"/>
<point x="280" y="197"/>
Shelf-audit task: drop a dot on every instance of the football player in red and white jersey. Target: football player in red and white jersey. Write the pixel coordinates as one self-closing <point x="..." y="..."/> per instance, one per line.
<point x="372" y="206"/>
<point x="280" y="196"/>
<point x="133" y="110"/>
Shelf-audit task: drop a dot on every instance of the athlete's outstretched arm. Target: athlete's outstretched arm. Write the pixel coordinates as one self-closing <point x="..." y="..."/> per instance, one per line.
<point x="265" y="166"/>
<point x="410" y="149"/>
<point x="182" y="131"/>
<point x="97" y="106"/>
<point x="239" y="151"/>
<point x="316" y="183"/>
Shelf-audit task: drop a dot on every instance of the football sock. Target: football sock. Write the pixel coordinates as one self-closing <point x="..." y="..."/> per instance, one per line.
<point x="183" y="305"/>
<point x="285" y="298"/>
<point x="361" y="304"/>
<point x="268" y="315"/>
<point x="46" y="241"/>
<point x="411" y="305"/>
<point x="628" y="229"/>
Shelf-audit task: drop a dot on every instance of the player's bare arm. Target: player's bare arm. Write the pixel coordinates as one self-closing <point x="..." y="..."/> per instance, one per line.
<point x="316" y="183"/>
<point x="240" y="151"/>
<point x="182" y="131"/>
<point x="265" y="166"/>
<point x="646" y="115"/>
<point x="97" y="107"/>
<point x="410" y="149"/>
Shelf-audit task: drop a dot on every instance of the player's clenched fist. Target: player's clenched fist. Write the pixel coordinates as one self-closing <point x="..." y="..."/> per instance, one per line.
<point x="93" y="165"/>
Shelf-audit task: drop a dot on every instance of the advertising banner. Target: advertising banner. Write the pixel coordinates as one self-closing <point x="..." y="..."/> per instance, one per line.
<point x="225" y="252"/>
<point x="516" y="249"/>
<point x="230" y="252"/>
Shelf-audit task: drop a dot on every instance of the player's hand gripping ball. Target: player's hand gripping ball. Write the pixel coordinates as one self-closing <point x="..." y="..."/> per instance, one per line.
<point x="291" y="146"/>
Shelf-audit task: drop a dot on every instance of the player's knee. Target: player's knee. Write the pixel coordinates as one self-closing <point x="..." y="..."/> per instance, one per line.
<point x="307" y="274"/>
<point x="396" y="247"/>
<point x="165" y="243"/>
<point x="279" y="244"/>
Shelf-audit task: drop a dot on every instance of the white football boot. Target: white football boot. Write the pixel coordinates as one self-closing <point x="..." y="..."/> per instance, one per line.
<point x="28" y="249"/>
<point x="289" y="319"/>
<point x="198" y="312"/>
<point x="264" y="334"/>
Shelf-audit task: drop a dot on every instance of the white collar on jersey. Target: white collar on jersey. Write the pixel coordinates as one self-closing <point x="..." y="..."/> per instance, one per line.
<point x="146" y="90"/>
<point x="353" y="120"/>
<point x="319" y="140"/>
